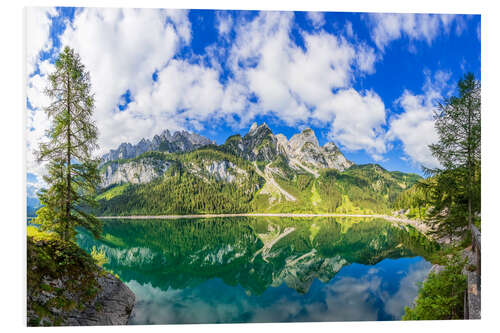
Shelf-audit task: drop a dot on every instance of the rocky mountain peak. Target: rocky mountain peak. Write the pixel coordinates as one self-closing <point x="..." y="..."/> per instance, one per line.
<point x="166" y="134"/>
<point x="303" y="150"/>
<point x="260" y="143"/>
<point x="306" y="136"/>
<point x="253" y="128"/>
<point x="178" y="142"/>
<point x="331" y="147"/>
<point x="259" y="130"/>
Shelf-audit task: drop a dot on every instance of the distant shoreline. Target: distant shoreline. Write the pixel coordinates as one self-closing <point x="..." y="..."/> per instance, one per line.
<point x="201" y="216"/>
<point x="415" y="223"/>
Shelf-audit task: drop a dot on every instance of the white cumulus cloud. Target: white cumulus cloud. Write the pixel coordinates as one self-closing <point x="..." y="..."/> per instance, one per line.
<point x="269" y="74"/>
<point x="311" y="84"/>
<point x="224" y="23"/>
<point x="38" y="23"/>
<point x="414" y="127"/>
<point x="122" y="48"/>
<point x="420" y="27"/>
<point x="317" y="19"/>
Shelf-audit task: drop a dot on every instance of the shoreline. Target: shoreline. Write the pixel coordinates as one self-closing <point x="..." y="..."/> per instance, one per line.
<point x="415" y="223"/>
<point x="201" y="216"/>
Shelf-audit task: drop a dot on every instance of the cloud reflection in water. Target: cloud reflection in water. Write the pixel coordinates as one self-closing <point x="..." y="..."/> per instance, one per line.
<point x="356" y="293"/>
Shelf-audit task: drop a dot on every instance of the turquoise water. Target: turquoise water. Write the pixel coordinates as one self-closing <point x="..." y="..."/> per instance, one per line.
<point x="239" y="270"/>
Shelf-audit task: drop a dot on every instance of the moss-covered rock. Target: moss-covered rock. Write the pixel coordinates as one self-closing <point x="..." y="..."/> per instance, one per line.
<point x="66" y="287"/>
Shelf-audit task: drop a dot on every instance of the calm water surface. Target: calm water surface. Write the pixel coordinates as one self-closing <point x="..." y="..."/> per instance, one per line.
<point x="262" y="269"/>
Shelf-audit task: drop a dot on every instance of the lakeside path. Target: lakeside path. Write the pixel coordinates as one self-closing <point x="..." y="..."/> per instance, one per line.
<point x="415" y="223"/>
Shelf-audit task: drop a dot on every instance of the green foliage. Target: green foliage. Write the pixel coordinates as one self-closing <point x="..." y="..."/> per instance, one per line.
<point x="449" y="200"/>
<point x="181" y="191"/>
<point x="72" y="172"/>
<point x="329" y="191"/>
<point x="457" y="186"/>
<point x="441" y="296"/>
<point x="364" y="189"/>
<point x="416" y="199"/>
<point x="99" y="257"/>
<point x="50" y="259"/>
<point x="112" y="192"/>
<point x="361" y="189"/>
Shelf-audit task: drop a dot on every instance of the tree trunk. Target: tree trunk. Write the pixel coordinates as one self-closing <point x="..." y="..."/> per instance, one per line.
<point x="68" y="163"/>
<point x="469" y="203"/>
<point x="470" y="165"/>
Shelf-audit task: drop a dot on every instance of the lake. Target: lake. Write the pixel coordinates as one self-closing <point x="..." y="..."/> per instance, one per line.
<point x="265" y="269"/>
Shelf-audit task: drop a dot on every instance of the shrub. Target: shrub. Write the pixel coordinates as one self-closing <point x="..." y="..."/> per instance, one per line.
<point x="441" y="295"/>
<point x="99" y="256"/>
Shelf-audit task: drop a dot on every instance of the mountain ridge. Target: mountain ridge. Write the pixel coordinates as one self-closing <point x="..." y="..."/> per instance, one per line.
<point x="179" y="141"/>
<point x="257" y="172"/>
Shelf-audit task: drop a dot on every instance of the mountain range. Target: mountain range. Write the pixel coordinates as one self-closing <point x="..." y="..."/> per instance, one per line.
<point x="185" y="173"/>
<point x="180" y="141"/>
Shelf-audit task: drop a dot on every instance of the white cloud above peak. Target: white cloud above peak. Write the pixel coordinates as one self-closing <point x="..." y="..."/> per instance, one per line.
<point x="310" y="84"/>
<point x="38" y="23"/>
<point x="414" y="127"/>
<point x="150" y="72"/>
<point x="296" y="84"/>
<point x="128" y="46"/>
<point x="224" y="23"/>
<point x="317" y="19"/>
<point x="386" y="28"/>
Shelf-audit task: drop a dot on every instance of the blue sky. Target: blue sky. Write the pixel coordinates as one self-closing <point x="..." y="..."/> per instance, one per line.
<point x="368" y="82"/>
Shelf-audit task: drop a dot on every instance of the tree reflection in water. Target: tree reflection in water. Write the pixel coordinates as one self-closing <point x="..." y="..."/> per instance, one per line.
<point x="265" y="269"/>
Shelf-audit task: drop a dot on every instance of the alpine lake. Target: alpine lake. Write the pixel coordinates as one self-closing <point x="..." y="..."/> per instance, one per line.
<point x="265" y="269"/>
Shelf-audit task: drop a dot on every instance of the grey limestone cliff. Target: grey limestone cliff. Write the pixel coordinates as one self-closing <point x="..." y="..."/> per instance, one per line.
<point x="112" y="306"/>
<point x="134" y="172"/>
<point x="304" y="148"/>
<point x="178" y="142"/>
<point x="302" y="153"/>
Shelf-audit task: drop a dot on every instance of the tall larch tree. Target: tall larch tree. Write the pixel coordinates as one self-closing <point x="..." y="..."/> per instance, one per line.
<point x="457" y="186"/>
<point x="72" y="138"/>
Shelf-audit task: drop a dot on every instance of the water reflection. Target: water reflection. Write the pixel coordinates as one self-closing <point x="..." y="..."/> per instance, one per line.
<point x="265" y="269"/>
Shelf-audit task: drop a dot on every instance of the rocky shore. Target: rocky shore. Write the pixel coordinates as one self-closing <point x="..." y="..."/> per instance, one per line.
<point x="112" y="306"/>
<point x="65" y="287"/>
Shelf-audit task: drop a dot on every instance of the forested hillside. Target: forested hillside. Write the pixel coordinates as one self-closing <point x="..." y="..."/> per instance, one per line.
<point x="215" y="179"/>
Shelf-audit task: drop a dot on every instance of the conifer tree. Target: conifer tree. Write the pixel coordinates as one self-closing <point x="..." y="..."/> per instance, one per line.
<point x="458" y="182"/>
<point x="72" y="172"/>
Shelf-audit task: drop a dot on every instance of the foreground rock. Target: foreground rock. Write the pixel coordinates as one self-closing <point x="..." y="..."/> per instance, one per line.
<point x="66" y="288"/>
<point x="112" y="306"/>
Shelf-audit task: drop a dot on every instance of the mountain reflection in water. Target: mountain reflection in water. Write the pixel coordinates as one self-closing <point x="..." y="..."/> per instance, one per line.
<point x="265" y="269"/>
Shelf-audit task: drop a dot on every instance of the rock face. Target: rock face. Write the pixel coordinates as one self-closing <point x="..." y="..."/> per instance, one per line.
<point x="260" y="144"/>
<point x="135" y="172"/>
<point x="180" y="141"/>
<point x="112" y="306"/>
<point x="304" y="148"/>
<point x="224" y="171"/>
<point x="302" y="151"/>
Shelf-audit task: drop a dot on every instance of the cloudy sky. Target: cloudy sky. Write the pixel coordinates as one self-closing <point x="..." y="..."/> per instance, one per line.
<point x="368" y="82"/>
